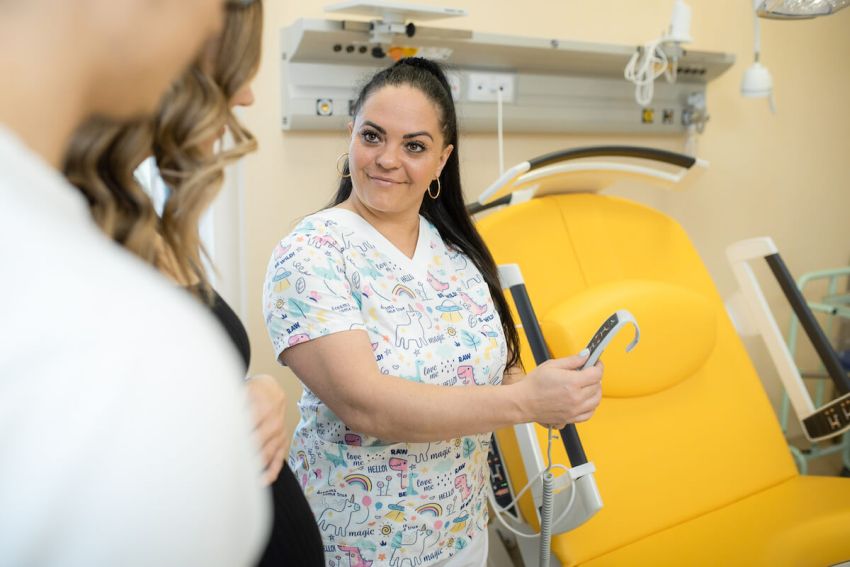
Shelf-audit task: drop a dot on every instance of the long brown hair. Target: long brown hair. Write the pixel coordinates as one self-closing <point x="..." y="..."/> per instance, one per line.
<point x="103" y="155"/>
<point x="100" y="162"/>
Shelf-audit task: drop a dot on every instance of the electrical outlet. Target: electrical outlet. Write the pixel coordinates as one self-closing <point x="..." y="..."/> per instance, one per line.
<point x="483" y="87"/>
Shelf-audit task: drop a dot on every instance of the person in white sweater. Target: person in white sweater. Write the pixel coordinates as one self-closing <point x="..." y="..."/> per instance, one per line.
<point x="124" y="437"/>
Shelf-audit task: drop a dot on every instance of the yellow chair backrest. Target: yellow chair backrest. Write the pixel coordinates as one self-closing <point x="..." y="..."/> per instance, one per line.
<point x="684" y="427"/>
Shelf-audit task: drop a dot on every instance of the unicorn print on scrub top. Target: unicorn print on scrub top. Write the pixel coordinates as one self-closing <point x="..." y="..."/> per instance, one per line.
<point x="429" y="319"/>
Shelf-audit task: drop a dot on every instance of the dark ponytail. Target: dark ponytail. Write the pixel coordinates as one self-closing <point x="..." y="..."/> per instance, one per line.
<point x="448" y="212"/>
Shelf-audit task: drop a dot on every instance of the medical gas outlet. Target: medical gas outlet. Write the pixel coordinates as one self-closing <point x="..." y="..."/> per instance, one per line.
<point x="486" y="87"/>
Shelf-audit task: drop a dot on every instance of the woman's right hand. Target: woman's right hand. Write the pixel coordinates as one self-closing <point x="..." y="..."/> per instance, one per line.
<point x="557" y="392"/>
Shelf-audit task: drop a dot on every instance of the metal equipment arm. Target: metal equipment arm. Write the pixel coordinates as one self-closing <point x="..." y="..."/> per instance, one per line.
<point x="521" y="180"/>
<point x="818" y="423"/>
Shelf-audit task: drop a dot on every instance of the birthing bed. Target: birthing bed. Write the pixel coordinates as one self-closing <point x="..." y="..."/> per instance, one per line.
<point x="690" y="460"/>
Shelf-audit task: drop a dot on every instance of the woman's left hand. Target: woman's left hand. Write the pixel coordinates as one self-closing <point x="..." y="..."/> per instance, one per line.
<point x="268" y="404"/>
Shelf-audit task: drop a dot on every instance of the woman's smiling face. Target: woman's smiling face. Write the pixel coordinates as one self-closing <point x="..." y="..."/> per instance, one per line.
<point x="397" y="149"/>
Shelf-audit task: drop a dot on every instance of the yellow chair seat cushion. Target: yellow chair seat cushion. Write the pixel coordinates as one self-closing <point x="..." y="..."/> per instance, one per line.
<point x="678" y="333"/>
<point x="802" y="522"/>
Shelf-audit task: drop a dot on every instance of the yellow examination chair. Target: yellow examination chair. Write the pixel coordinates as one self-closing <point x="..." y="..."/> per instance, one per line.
<point x="691" y="463"/>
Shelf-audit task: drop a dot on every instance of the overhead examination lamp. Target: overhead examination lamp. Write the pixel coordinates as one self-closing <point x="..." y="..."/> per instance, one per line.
<point x="798" y="9"/>
<point x="757" y="82"/>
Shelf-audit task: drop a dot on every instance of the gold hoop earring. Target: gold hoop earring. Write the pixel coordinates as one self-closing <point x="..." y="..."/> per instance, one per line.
<point x="439" y="188"/>
<point x="342" y="172"/>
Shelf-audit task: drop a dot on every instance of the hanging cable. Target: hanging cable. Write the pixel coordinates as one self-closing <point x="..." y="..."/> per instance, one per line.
<point x="545" y="549"/>
<point x="500" y="135"/>
<point x="547" y="493"/>
<point x="647" y="64"/>
<point x="500" y="511"/>
<point x="652" y="60"/>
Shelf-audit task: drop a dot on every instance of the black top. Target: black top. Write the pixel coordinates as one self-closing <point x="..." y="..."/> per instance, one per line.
<point x="234" y="327"/>
<point x="295" y="538"/>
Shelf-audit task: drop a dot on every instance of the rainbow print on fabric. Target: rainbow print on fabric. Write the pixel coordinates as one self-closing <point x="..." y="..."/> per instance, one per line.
<point x="401" y="290"/>
<point x="360" y="480"/>
<point x="302" y="456"/>
<point x="432" y="509"/>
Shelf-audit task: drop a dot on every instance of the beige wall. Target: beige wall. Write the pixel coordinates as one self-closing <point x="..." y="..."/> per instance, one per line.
<point x="784" y="175"/>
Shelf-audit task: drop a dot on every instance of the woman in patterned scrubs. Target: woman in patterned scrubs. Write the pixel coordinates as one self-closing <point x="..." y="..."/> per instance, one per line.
<point x="388" y="308"/>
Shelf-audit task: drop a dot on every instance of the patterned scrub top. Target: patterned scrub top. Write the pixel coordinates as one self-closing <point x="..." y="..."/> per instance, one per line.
<point x="430" y="319"/>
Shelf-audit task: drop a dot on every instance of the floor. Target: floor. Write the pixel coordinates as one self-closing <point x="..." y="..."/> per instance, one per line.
<point x="500" y="555"/>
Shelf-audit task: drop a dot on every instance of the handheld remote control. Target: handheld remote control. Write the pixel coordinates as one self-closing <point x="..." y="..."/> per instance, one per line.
<point x="606" y="333"/>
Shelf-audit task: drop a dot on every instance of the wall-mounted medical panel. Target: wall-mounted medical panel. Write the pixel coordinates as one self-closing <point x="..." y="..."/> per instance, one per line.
<point x="552" y="85"/>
